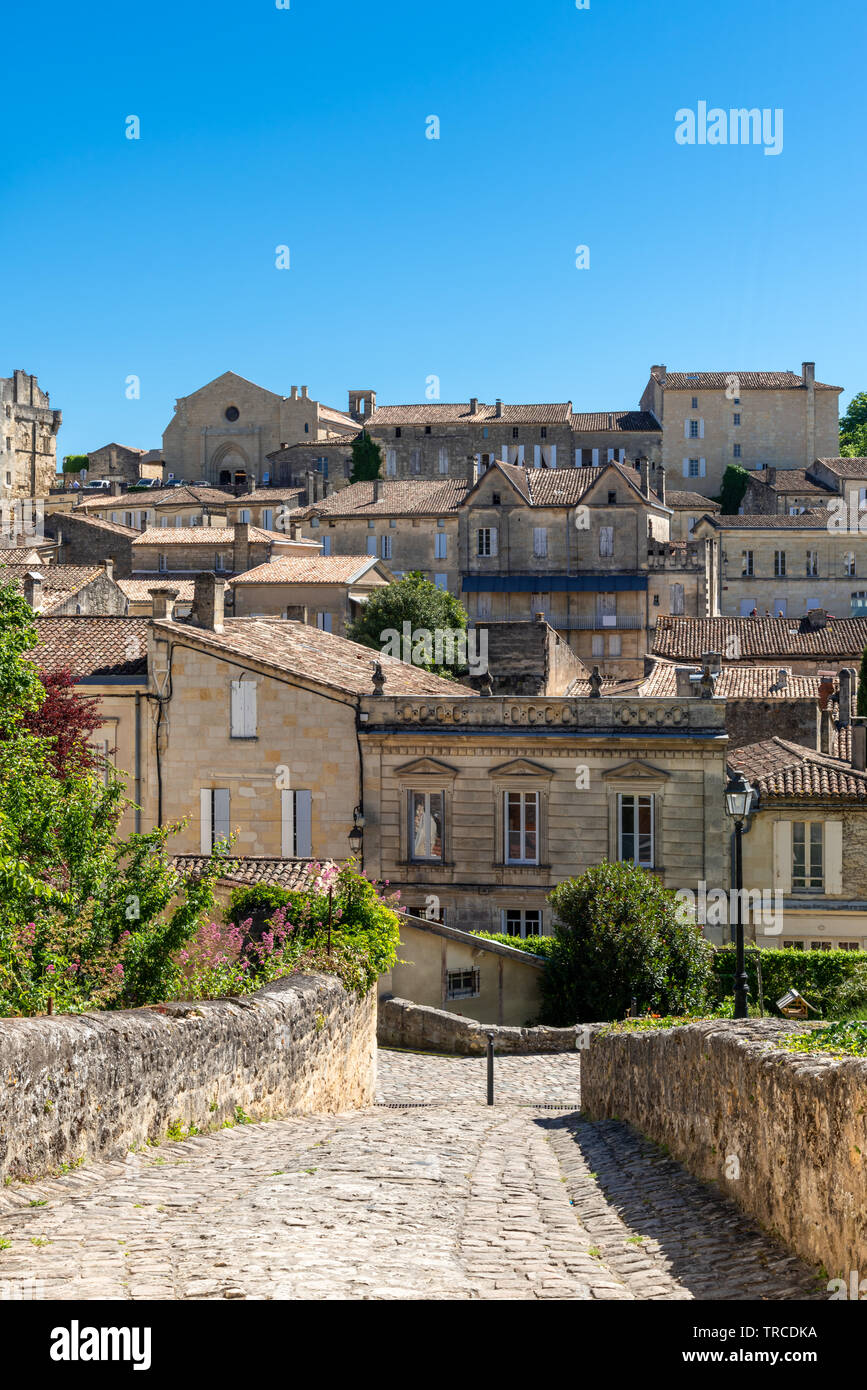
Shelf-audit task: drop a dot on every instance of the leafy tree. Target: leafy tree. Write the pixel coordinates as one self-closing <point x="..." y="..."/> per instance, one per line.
<point x="861" y="701"/>
<point x="620" y="935"/>
<point x="853" y="428"/>
<point x="366" y="458"/>
<point x="69" y="720"/>
<point x="74" y="463"/>
<point x="428" y="611"/>
<point x="734" y="485"/>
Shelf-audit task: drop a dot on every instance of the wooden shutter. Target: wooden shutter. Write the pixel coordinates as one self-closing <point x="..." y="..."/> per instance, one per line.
<point x="248" y="705"/>
<point x="702" y="468"/>
<point x="834" y="857"/>
<point x="553" y="454"/>
<point x="237" y="729"/>
<point x="701" y="429"/>
<point x="537" y="455"/>
<point x="783" y="856"/>
<point x="493" y="530"/>
<point x="595" y="457"/>
<point x="205" y="809"/>
<point x="287" y="824"/>
<point x="686" y="468"/>
<point x="303" y="824"/>
<point x="686" y="429"/>
<point x="221" y="813"/>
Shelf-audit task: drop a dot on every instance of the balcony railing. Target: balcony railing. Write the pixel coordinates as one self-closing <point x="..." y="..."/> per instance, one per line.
<point x="592" y="623"/>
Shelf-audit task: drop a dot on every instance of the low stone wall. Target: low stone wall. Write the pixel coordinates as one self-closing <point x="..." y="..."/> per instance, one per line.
<point x="92" y="1085"/>
<point x="404" y="1024"/>
<point x="783" y="1134"/>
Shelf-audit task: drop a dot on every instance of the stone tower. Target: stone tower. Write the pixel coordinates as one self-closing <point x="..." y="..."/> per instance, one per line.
<point x="28" y="438"/>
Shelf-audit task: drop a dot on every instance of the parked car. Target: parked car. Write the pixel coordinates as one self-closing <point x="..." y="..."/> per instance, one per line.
<point x="98" y="485"/>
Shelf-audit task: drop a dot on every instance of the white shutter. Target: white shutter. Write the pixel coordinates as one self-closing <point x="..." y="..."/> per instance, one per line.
<point x="834" y="857"/>
<point x="248" y="708"/>
<point x="540" y="541"/>
<point x="371" y="545"/>
<point x="221" y="813"/>
<point x="504" y="453"/>
<point x="537" y="455"/>
<point x="686" y="429"/>
<point x="595" y="457"/>
<point x="303" y="824"/>
<point x="686" y="468"/>
<point x="268" y="518"/>
<point x="237" y="718"/>
<point x="520" y="456"/>
<point x="553" y="451"/>
<point x="493" y="540"/>
<point x="205" y="803"/>
<point x="577" y="458"/>
<point x="702" y="468"/>
<point x="610" y="455"/>
<point x="621" y="455"/>
<point x="326" y="545"/>
<point x="701" y="429"/>
<point x="287" y="824"/>
<point x="783" y="856"/>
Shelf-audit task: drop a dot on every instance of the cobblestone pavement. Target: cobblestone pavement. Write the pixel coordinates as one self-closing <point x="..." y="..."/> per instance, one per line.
<point x="449" y="1200"/>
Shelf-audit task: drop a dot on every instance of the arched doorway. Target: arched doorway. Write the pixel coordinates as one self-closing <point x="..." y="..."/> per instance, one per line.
<point x="240" y="478"/>
<point x="225" y="478"/>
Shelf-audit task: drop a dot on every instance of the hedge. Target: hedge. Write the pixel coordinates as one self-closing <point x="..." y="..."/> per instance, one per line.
<point x="533" y="945"/>
<point x="829" y="980"/>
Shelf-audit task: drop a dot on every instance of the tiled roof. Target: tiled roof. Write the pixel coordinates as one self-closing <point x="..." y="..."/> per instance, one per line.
<point x="643" y="421"/>
<point x="845" y="467"/>
<point x="736" y="683"/>
<point x="747" y="381"/>
<point x="266" y="494"/>
<point x="559" y="487"/>
<point x="154" y="497"/>
<point x="92" y="646"/>
<point x="127" y="448"/>
<point x="816" y="519"/>
<point x="418" y="497"/>
<point x="27" y="555"/>
<point x="445" y="413"/>
<point x="139" y="589"/>
<point x="767" y="638"/>
<point x="316" y="656"/>
<point x="778" y="768"/>
<point x="692" y="500"/>
<point x="309" y="569"/>
<point x="168" y="536"/>
<point x="282" y="873"/>
<point x="790" y="480"/>
<point x="344" y="440"/>
<point x="59" y="582"/>
<point x="62" y="518"/>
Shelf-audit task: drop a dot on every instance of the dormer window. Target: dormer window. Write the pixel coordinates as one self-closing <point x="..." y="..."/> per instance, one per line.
<point x="612" y="499"/>
<point x="515" y="432"/>
<point x="544" y="432"/>
<point x="495" y="499"/>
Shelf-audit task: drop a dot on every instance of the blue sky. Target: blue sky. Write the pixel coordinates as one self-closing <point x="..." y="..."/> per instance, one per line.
<point x="412" y="257"/>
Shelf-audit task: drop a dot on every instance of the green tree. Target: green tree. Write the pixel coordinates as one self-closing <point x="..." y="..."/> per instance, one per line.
<point x="619" y="935"/>
<point x="428" y="611"/>
<point x="853" y="428"/>
<point x="861" y="701"/>
<point x="734" y="485"/>
<point x="366" y="458"/>
<point x="74" y="463"/>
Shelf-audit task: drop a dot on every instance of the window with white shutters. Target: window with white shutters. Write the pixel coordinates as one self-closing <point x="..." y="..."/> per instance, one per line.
<point x="540" y="542"/>
<point x="606" y="541"/>
<point x="385" y="549"/>
<point x="214" y="815"/>
<point x="486" y="541"/>
<point x="268" y="518"/>
<point x="243" y="713"/>
<point x="676" y="599"/>
<point x="440" y="546"/>
<point x="296" y="824"/>
<point x="324" y="622"/>
<point x="391" y="462"/>
<point x="444" y="460"/>
<point x="371" y="545"/>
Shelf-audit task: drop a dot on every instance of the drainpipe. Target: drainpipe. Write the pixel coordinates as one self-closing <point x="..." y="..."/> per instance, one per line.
<point x="138" y="762"/>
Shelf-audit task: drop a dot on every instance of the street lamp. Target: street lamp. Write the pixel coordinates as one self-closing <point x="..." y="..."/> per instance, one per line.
<point x="356" y="833"/>
<point x="739" y="799"/>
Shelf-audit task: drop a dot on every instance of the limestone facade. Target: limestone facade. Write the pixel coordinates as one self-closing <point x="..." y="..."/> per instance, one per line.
<point x="118" y="462"/>
<point x="28" y="438"/>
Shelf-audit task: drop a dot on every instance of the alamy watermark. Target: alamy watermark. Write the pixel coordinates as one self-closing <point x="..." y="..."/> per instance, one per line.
<point x="736" y="126"/>
<point x="441" y="647"/>
<point x="716" y="907"/>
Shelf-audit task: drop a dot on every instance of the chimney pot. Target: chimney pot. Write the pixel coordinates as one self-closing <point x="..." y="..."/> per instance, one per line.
<point x="209" y="602"/>
<point x="33" y="589"/>
<point x="162" y="602"/>
<point x="304" y="393"/>
<point x="808" y="371"/>
<point x="498" y="408"/>
<point x="474" y="405"/>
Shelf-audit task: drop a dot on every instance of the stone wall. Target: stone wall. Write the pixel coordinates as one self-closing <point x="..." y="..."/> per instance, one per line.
<point x="404" y="1024"/>
<point x="96" y="1084"/>
<point x="726" y="1102"/>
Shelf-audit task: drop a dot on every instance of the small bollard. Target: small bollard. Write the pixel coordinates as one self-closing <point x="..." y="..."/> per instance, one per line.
<point x="490" y="1069"/>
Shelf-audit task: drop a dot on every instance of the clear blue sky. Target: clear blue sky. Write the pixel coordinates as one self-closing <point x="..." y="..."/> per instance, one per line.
<point x="409" y="256"/>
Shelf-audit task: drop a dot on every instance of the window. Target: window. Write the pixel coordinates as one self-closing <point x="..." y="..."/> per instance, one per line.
<point x="807" y="857"/>
<point x="597" y="645"/>
<point x="606" y="610"/>
<point x="244" y="515"/>
<point x="426" y="826"/>
<point x="128" y="519"/>
<point x="821" y="945"/>
<point x="693" y="429"/>
<point x="849" y="564"/>
<point x="441" y="581"/>
<point x="519" y="921"/>
<point x="675" y="601"/>
<point x="441" y="521"/>
<point x="606" y="541"/>
<point x="543" y="432"/>
<point x="736" y="452"/>
<point x="441" y="542"/>
<point x="793" y="945"/>
<point x="306" y="427"/>
<point x="746" y="562"/>
<point x="694" y="405"/>
<point x="222" y="561"/>
<point x="462" y="984"/>
<point x="779" y="563"/>
<point x="848" y="945"/>
<point x="612" y="499"/>
<point x="232" y="412"/>
<point x="486" y="540"/>
<point x="243" y="709"/>
<point x="398" y="432"/>
<point x="522" y="827"/>
<point x="540" y="542"/>
<point x="214" y="816"/>
<point x="515" y="433"/>
<point x="415" y="460"/>
<point x="694" y="468"/>
<point x="812" y="563"/>
<point x="268" y="518"/>
<point x="391" y="463"/>
<point x="485" y="432"/>
<point x="614" y="645"/>
<point x="163" y="562"/>
<point x="371" y="545"/>
<point x="324" y="622"/>
<point x="296" y="818"/>
<point x="736" y="419"/>
<point x="385" y="549"/>
<point x="444" y="459"/>
<point x="635" y="829"/>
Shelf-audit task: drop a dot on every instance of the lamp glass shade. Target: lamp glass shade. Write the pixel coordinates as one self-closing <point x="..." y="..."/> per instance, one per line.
<point x="739" y="795"/>
<point x="355" y="839"/>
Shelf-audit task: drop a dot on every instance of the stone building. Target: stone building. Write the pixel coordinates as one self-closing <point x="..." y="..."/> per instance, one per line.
<point x="265" y="506"/>
<point x="754" y="419"/>
<point x="28" y="438"/>
<point x="66" y="590"/>
<point x="784" y="492"/>
<point x="788" y="564"/>
<point x="90" y="540"/>
<point x="329" y="460"/>
<point x="808" y="646"/>
<point x="687" y="509"/>
<point x="222" y="549"/>
<point x="327" y="591"/>
<point x="117" y="462"/>
<point x="223" y="433"/>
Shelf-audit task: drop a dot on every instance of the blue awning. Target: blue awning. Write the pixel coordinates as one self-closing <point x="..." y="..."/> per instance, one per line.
<point x="552" y="583"/>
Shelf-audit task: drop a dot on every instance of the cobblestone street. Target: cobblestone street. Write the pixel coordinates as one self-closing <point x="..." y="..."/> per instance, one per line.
<point x="444" y="1199"/>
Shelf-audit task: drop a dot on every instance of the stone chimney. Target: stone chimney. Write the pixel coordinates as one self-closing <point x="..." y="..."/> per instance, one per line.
<point x="163" y="602"/>
<point x="539" y="617"/>
<point x="816" y="619"/>
<point x="659" y="370"/>
<point x="108" y="566"/>
<point x="241" y="547"/>
<point x="377" y="489"/>
<point x="826" y="724"/>
<point x="770" y="474"/>
<point x="684" y="683"/>
<point x="209" y="602"/>
<point x="498" y="409"/>
<point x="808" y="371"/>
<point x="33" y="590"/>
<point x="294" y="395"/>
<point x="114" y="488"/>
<point x="643" y="468"/>
<point x="859" y="744"/>
<point x="713" y="661"/>
<point x="474" y="405"/>
<point x="660" y="483"/>
<point x="304" y="393"/>
<point x="846" y="708"/>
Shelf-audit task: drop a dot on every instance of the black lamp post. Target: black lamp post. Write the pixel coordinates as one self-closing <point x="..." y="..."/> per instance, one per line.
<point x="356" y="835"/>
<point x="739" y="800"/>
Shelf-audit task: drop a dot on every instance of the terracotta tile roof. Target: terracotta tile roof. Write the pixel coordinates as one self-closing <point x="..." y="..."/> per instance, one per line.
<point x="791" y="480"/>
<point x="276" y="495"/>
<point x="316" y="656"/>
<point x="560" y="487"/>
<point x="846" y="467"/>
<point x="678" y="501"/>
<point x="445" y="413"/>
<point x="27" y="555"/>
<point x="843" y="639"/>
<point x="92" y="647"/>
<point x="736" y="683"/>
<point x="61" y="519"/>
<point x="345" y="440"/>
<point x="310" y="569"/>
<point x="642" y="421"/>
<point x="411" y="497"/>
<point x="155" y="497"/>
<point x="816" y="519"/>
<point x="167" y="536"/>
<point x="747" y="381"/>
<point x="789" y="771"/>
<point x="283" y="873"/>
<point x="59" y="582"/>
<point x="139" y="589"/>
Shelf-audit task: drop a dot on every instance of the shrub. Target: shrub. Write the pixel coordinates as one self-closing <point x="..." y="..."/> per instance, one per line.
<point x="834" y="982"/>
<point x="619" y="936"/>
<point x="533" y="945"/>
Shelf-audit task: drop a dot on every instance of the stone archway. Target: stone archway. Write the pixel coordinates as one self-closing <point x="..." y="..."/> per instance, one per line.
<point x="229" y="463"/>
